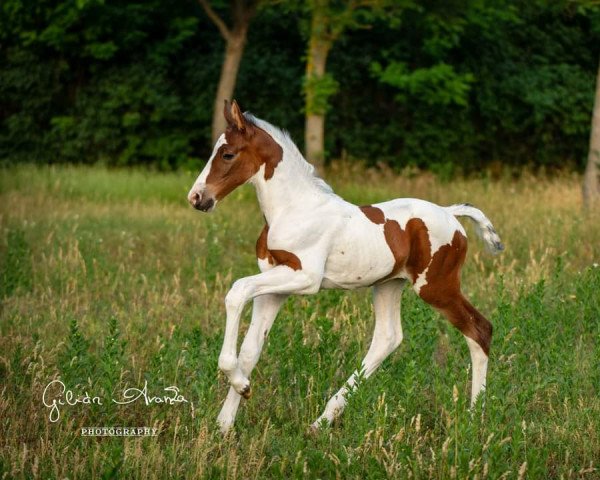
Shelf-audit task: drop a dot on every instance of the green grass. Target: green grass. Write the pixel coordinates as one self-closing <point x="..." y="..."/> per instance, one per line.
<point x="109" y="279"/>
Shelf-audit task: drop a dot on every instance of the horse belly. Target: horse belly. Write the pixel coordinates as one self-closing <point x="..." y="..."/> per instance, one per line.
<point x="358" y="258"/>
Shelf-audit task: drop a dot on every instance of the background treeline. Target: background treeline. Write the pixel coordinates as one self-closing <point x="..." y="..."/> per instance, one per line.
<point x="435" y="84"/>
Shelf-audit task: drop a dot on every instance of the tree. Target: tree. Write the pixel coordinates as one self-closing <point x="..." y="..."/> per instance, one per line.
<point x="452" y="84"/>
<point x="591" y="181"/>
<point x="329" y="19"/>
<point x="235" y="40"/>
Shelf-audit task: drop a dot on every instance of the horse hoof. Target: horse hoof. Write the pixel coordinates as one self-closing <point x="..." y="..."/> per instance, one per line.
<point x="246" y="392"/>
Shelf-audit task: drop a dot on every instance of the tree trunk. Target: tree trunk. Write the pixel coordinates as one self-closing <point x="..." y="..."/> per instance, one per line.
<point x="591" y="181"/>
<point x="314" y="130"/>
<point x="314" y="138"/>
<point x="233" y="56"/>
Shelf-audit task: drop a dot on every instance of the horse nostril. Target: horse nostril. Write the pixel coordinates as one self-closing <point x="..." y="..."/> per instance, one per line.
<point x="194" y="199"/>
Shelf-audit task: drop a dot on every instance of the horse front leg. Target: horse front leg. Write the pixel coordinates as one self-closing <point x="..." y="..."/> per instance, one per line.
<point x="264" y="312"/>
<point x="281" y="280"/>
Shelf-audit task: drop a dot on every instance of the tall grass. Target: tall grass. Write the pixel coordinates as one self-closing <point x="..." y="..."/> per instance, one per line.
<point x="110" y="280"/>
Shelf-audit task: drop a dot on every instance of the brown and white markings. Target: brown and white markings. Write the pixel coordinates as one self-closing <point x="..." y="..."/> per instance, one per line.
<point x="314" y="239"/>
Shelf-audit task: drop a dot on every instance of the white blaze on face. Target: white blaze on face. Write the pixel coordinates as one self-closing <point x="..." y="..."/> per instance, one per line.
<point x="200" y="183"/>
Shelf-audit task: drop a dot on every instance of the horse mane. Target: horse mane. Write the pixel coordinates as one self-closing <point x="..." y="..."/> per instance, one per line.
<point x="283" y="138"/>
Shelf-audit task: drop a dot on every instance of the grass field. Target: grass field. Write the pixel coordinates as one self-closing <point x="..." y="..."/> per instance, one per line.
<point x="109" y="279"/>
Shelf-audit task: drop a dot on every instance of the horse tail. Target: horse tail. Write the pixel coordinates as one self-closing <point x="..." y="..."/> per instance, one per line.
<point x="484" y="227"/>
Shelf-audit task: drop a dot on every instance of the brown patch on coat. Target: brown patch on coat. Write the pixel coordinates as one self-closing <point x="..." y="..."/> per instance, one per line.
<point x="411" y="248"/>
<point x="275" y="257"/>
<point x="262" y="251"/>
<point x="373" y="213"/>
<point x="443" y="276"/>
<point x="249" y="147"/>
<point x="419" y="257"/>
<point x="442" y="291"/>
<point x="283" y="257"/>
<point x="399" y="244"/>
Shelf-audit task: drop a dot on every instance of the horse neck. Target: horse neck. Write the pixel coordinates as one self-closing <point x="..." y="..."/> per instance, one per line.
<point x="292" y="187"/>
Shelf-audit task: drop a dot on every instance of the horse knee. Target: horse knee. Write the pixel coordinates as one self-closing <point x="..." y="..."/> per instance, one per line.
<point x="236" y="296"/>
<point x="227" y="363"/>
<point x="382" y="348"/>
<point x="391" y="342"/>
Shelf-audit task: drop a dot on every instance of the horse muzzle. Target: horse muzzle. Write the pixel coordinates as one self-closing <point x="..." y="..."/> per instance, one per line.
<point x="201" y="201"/>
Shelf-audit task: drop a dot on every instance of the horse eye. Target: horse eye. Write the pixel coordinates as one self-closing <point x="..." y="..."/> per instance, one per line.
<point x="228" y="156"/>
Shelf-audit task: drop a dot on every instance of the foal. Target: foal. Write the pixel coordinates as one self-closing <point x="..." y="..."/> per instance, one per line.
<point x="314" y="239"/>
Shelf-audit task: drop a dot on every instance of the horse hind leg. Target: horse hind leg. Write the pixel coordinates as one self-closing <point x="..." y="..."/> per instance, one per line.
<point x="442" y="291"/>
<point x="477" y="331"/>
<point x="386" y="338"/>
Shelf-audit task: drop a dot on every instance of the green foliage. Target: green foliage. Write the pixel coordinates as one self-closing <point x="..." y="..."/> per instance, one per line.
<point x="321" y="89"/>
<point x="470" y="83"/>
<point x="112" y="357"/>
<point x="76" y="364"/>
<point x="15" y="264"/>
<point x="150" y="307"/>
<point x="92" y="82"/>
<point x="459" y="84"/>
<point x="437" y="85"/>
<point x="79" y="365"/>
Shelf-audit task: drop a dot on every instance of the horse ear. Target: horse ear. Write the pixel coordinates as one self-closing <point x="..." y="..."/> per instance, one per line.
<point x="227" y="113"/>
<point x="238" y="118"/>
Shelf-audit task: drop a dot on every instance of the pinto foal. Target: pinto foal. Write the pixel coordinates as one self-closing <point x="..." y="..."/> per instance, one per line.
<point x="314" y="239"/>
